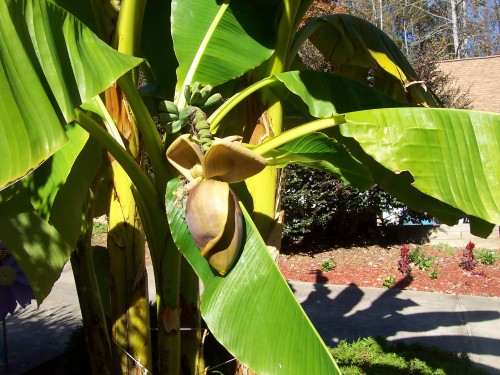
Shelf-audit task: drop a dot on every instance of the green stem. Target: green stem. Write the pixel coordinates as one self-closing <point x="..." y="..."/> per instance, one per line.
<point x="151" y="137"/>
<point x="232" y="102"/>
<point x="108" y="121"/>
<point x="134" y="171"/>
<point x="276" y="63"/>
<point x="298" y="132"/>
<point x="128" y="30"/>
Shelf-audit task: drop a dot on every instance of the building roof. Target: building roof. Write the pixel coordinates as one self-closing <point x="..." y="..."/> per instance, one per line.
<point x="479" y="75"/>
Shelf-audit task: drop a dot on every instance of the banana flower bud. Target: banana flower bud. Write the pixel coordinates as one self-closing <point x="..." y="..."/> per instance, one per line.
<point x="213" y="214"/>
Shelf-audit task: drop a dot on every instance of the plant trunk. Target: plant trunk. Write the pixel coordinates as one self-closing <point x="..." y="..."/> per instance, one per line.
<point x="90" y="299"/>
<point x="192" y="361"/>
<point x="131" y="339"/>
<point x="169" y="311"/>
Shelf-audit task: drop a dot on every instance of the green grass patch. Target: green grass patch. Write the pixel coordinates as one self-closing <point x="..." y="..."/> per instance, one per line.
<point x="374" y="356"/>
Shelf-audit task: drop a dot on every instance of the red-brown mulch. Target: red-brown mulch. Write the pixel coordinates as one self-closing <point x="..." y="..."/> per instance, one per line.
<point x="370" y="266"/>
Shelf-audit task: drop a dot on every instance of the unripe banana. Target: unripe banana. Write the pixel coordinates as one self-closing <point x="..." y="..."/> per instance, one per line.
<point x="173" y="127"/>
<point x="187" y="93"/>
<point x="215" y="99"/>
<point x="168" y="106"/>
<point x="196" y="99"/>
<point x="183" y="115"/>
<point x="195" y="87"/>
<point x="164" y="117"/>
<point x="205" y="92"/>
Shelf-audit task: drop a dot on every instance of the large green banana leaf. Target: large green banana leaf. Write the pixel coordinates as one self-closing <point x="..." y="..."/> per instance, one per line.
<point x="252" y="310"/>
<point x="50" y="64"/>
<point x="318" y="151"/>
<point x="220" y="40"/>
<point x="58" y="188"/>
<point x="328" y="93"/>
<point x="313" y="94"/>
<point x="452" y="156"/>
<point x="37" y="246"/>
<point x="47" y="208"/>
<point x="354" y="47"/>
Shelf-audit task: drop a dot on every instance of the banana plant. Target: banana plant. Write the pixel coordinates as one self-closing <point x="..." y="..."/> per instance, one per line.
<point x="226" y="83"/>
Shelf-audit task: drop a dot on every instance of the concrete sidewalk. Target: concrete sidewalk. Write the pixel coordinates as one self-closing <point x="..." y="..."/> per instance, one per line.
<point x="461" y="324"/>
<point x="455" y="323"/>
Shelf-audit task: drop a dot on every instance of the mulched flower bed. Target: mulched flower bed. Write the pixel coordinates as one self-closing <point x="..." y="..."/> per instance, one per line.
<point x="373" y="266"/>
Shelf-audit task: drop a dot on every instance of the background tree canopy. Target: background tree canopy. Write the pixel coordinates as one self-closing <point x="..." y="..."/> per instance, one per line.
<point x="320" y="207"/>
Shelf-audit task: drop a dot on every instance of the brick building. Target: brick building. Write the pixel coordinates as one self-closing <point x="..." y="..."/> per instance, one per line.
<point x="479" y="75"/>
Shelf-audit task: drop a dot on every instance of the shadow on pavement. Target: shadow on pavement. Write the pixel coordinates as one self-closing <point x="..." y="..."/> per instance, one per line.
<point x="400" y="315"/>
<point x="47" y="330"/>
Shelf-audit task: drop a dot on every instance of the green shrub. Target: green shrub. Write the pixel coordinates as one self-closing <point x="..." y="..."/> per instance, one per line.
<point x="318" y="205"/>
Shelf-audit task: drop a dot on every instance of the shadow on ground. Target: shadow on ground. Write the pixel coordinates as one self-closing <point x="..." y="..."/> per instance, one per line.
<point x="47" y="330"/>
<point x="397" y="316"/>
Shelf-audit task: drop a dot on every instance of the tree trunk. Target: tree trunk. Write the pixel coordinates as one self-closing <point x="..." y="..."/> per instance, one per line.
<point x="455" y="31"/>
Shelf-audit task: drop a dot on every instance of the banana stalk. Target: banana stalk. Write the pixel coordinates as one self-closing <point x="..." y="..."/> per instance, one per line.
<point x="191" y="337"/>
<point x="169" y="310"/>
<point x="131" y="339"/>
<point x="91" y="306"/>
<point x="264" y="125"/>
<point x="269" y="124"/>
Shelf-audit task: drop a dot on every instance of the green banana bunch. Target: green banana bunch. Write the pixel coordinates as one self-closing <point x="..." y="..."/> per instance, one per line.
<point x="197" y="96"/>
<point x="201" y="96"/>
<point x="170" y="118"/>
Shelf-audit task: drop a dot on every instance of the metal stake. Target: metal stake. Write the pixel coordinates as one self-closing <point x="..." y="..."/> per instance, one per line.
<point x="5" y="352"/>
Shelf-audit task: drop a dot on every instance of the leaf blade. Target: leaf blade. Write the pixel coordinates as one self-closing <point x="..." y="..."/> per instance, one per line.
<point x="255" y="330"/>
<point x="451" y="154"/>
<point x="50" y="63"/>
<point x="206" y="40"/>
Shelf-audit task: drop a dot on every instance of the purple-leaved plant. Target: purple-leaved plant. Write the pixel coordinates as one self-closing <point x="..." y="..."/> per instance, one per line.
<point x="468" y="259"/>
<point x="404" y="261"/>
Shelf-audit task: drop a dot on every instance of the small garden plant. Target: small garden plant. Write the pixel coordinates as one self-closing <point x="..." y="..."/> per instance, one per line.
<point x="419" y="259"/>
<point x="389" y="281"/>
<point x="487" y="257"/>
<point x="468" y="258"/>
<point x="434" y="274"/>
<point x="404" y="261"/>
<point x="328" y="265"/>
<point x="448" y="249"/>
